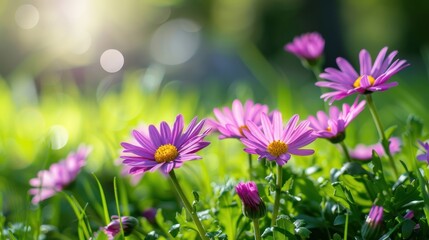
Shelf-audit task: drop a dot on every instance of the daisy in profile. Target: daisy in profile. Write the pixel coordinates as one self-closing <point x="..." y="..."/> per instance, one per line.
<point x="165" y="148"/>
<point x="58" y="176"/>
<point x="425" y="155"/>
<point x="364" y="152"/>
<point x="333" y="126"/>
<point x="276" y="142"/>
<point x="308" y="46"/>
<point x="231" y="122"/>
<point x="372" y="77"/>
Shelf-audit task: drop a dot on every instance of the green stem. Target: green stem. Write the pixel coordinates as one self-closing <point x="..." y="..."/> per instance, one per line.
<point x="256" y="229"/>
<point x="188" y="206"/>
<point x="380" y="129"/>
<point x="250" y="165"/>
<point x="346" y="151"/>
<point x="277" y="196"/>
<point x="346" y="226"/>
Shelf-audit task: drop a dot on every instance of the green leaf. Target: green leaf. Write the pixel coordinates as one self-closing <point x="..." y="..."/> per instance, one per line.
<point x="303" y="232"/>
<point x="181" y="219"/>
<point x="174" y="230"/>
<point x="389" y="131"/>
<point x="339" y="220"/>
<point x="407" y="228"/>
<point x="284" y="228"/>
<point x="337" y="237"/>
<point x="151" y="236"/>
<point x="103" y="200"/>
<point x="268" y="232"/>
<point x="336" y="193"/>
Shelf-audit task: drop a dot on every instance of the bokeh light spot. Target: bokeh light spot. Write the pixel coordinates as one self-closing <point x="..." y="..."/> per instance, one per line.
<point x="112" y="60"/>
<point x="58" y="136"/>
<point x="27" y="16"/>
<point x="175" y="42"/>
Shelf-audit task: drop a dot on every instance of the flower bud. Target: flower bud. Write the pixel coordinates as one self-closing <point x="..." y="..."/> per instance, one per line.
<point x="253" y="206"/>
<point x="372" y="227"/>
<point x="114" y="227"/>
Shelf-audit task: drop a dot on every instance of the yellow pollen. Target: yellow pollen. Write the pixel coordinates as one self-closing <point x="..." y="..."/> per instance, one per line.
<point x="241" y="128"/>
<point x="166" y="153"/>
<point x="329" y="129"/>
<point x="357" y="82"/>
<point x="277" y="148"/>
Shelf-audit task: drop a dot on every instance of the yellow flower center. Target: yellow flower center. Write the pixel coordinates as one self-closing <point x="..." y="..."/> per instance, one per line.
<point x="166" y="153"/>
<point x="357" y="82"/>
<point x="241" y="128"/>
<point x="329" y="129"/>
<point x="277" y="148"/>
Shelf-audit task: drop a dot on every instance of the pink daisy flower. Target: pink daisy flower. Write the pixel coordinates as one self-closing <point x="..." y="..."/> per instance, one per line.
<point x="346" y="81"/>
<point x="308" y="46"/>
<point x="60" y="175"/>
<point x="364" y="152"/>
<point x="333" y="126"/>
<point x="231" y="122"/>
<point x="425" y="155"/>
<point x="166" y="148"/>
<point x="275" y="142"/>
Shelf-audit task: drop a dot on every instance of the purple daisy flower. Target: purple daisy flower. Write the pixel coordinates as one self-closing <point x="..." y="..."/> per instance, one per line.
<point x="333" y="127"/>
<point x="372" y="77"/>
<point x="60" y="175"/>
<point x="425" y="155"/>
<point x="165" y="148"/>
<point x="275" y="142"/>
<point x="308" y="46"/>
<point x="253" y="206"/>
<point x="364" y="152"/>
<point x="231" y="122"/>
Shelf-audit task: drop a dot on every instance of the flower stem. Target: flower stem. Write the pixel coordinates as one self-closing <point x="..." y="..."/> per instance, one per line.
<point x="277" y="196"/>
<point x="250" y="165"/>
<point x="188" y="206"/>
<point x="346" y="151"/>
<point x="380" y="130"/>
<point x="256" y="229"/>
<point x="346" y="226"/>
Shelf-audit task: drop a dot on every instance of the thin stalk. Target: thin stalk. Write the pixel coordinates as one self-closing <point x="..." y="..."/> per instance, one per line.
<point x="118" y="209"/>
<point x="188" y="206"/>
<point x="250" y="165"/>
<point x="346" y="151"/>
<point x="256" y="229"/>
<point x="380" y="130"/>
<point x="346" y="226"/>
<point x="277" y="196"/>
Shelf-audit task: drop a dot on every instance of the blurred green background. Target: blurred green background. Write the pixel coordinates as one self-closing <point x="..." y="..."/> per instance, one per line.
<point x="88" y="71"/>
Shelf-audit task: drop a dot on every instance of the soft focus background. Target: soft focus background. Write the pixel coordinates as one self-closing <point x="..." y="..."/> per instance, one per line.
<point x="88" y="71"/>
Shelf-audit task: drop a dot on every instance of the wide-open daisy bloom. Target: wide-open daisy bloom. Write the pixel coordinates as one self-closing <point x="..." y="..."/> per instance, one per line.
<point x="164" y="148"/>
<point x="364" y="152"/>
<point x="58" y="176"/>
<point x="425" y="155"/>
<point x="308" y="46"/>
<point x="275" y="142"/>
<point x="372" y="77"/>
<point x="333" y="126"/>
<point x="231" y="122"/>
